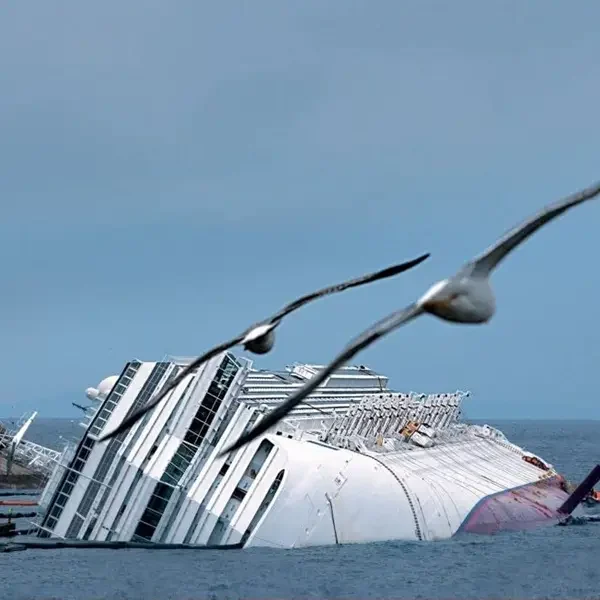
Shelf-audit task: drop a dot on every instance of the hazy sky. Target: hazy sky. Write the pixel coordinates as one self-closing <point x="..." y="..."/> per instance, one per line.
<point x="173" y="171"/>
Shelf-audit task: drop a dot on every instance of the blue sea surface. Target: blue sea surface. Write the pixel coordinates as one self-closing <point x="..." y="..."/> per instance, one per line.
<point x="553" y="562"/>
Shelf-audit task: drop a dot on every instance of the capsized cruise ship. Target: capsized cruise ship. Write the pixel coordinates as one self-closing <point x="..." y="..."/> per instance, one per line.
<point x="356" y="463"/>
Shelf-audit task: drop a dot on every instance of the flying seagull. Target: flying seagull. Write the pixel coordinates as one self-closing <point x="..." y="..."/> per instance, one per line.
<point x="465" y="297"/>
<point x="260" y="337"/>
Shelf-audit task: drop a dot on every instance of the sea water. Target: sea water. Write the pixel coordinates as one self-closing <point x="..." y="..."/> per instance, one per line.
<point x="553" y="562"/>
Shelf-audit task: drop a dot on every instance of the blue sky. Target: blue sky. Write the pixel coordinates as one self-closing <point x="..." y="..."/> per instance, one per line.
<point x="172" y="172"/>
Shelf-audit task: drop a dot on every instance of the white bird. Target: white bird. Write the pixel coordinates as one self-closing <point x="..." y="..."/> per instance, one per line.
<point x="260" y="337"/>
<point x="466" y="297"/>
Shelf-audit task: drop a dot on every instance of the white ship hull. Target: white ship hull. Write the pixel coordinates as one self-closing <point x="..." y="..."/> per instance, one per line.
<point x="356" y="465"/>
<point x="331" y="496"/>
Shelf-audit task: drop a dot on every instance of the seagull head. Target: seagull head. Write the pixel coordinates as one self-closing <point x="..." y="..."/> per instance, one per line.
<point x="461" y="299"/>
<point x="260" y="339"/>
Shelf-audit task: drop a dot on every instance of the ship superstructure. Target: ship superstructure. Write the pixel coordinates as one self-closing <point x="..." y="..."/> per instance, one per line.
<point x="357" y="462"/>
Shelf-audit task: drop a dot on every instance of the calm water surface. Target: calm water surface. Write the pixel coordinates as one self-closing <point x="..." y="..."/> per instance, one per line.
<point x="555" y="562"/>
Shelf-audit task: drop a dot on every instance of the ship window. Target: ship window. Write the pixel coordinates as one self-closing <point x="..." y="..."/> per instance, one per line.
<point x="148" y="415"/>
<point x="238" y="494"/>
<point x="187" y="450"/>
<point x="74" y="527"/>
<point x="130" y="491"/>
<point x="217" y="532"/>
<point x="120" y="512"/>
<point x="263" y="506"/>
<point x="62" y="500"/>
<point x="256" y="463"/>
<point x="143" y="532"/>
<point x="211" y="402"/>
<point x="113" y="398"/>
<point x="151" y="517"/>
<point x="79" y="464"/>
<point x="89" y="530"/>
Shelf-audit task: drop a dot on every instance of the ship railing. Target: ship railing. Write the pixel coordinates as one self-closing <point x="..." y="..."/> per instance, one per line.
<point x="5" y="439"/>
<point x="385" y="415"/>
<point x="34" y="456"/>
<point x="90" y="413"/>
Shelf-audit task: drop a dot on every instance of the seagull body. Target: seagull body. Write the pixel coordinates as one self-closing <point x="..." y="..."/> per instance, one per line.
<point x="466" y="298"/>
<point x="260" y="337"/>
<point x="461" y="299"/>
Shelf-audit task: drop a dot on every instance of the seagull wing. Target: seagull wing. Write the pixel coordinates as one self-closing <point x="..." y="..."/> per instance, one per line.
<point x="383" y="327"/>
<point x="389" y="272"/>
<point x="138" y="414"/>
<point x="340" y="287"/>
<point x="488" y="260"/>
